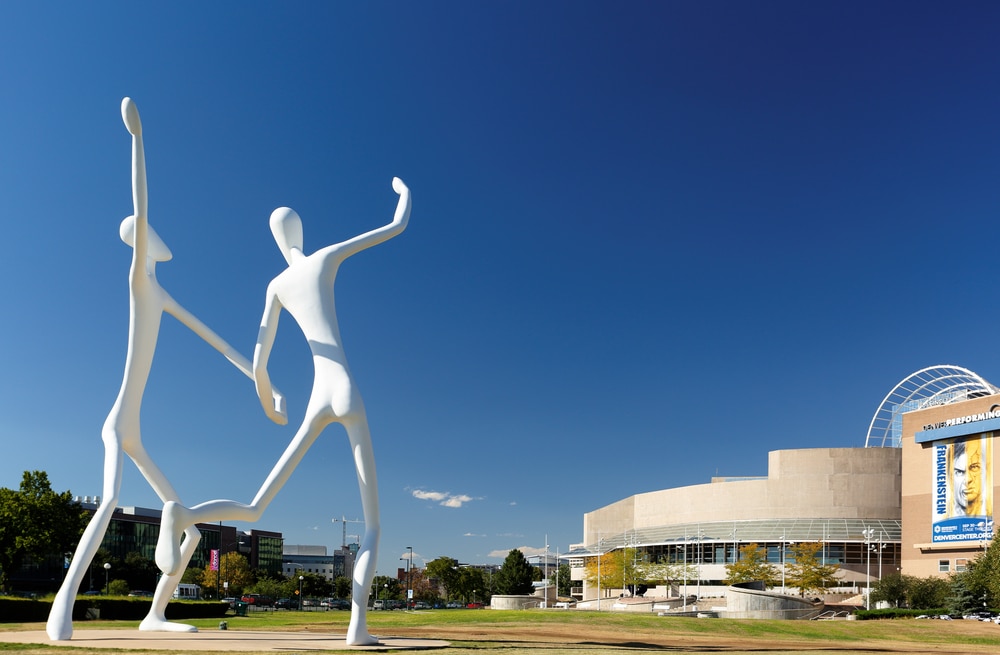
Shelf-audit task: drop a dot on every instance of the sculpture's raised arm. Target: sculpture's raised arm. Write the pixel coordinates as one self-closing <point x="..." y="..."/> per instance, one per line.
<point x="140" y="204"/>
<point x="384" y="233"/>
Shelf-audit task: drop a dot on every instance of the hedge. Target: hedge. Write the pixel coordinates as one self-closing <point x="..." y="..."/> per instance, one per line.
<point x="26" y="610"/>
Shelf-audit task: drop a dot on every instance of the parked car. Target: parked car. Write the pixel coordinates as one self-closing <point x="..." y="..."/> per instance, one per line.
<point x="286" y="604"/>
<point x="230" y="601"/>
<point x="260" y="600"/>
<point x="421" y="605"/>
<point x="454" y="605"/>
<point x="475" y="606"/>
<point x="140" y="594"/>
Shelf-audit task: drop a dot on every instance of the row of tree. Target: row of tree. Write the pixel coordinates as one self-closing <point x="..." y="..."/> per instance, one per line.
<point x="627" y="568"/>
<point x="975" y="588"/>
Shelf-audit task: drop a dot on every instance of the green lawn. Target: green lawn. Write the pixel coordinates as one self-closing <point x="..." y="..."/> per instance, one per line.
<point x="550" y="632"/>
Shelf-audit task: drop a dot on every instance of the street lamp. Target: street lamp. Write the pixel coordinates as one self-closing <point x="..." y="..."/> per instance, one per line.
<point x="700" y="557"/>
<point x="782" y="562"/>
<point x="868" y="533"/>
<point x="409" y="562"/>
<point x="301" y="577"/>
<point x="107" y="570"/>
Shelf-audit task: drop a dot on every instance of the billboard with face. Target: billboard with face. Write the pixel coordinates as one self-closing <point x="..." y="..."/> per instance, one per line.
<point x="963" y="489"/>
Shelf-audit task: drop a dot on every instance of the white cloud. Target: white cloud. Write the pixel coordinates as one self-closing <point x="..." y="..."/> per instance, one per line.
<point x="429" y="495"/>
<point x="527" y="551"/>
<point x="445" y="499"/>
<point x="473" y="534"/>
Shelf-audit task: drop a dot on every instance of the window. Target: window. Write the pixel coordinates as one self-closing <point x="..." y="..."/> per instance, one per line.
<point x="944" y="565"/>
<point x="961" y="564"/>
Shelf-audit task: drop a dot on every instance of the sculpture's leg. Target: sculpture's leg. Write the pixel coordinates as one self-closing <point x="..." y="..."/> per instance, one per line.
<point x="59" y="626"/>
<point x="364" y="567"/>
<point x="176" y="518"/>
<point x="156" y="620"/>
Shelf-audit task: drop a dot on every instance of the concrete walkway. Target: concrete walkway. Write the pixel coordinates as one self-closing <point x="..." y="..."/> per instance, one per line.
<point x="235" y="641"/>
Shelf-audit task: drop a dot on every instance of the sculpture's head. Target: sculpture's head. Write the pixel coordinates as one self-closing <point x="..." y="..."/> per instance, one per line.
<point x="156" y="249"/>
<point x="286" y="226"/>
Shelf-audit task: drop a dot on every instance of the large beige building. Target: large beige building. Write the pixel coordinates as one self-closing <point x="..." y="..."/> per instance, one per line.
<point x="918" y="499"/>
<point x="847" y="498"/>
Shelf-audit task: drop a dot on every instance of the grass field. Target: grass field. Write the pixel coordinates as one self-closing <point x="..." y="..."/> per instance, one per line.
<point x="556" y="632"/>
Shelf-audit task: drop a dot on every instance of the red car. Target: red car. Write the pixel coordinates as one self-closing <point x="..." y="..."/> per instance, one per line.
<point x="258" y="599"/>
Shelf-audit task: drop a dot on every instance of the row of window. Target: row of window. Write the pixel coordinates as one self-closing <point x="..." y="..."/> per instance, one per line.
<point x="832" y="553"/>
<point x="944" y="565"/>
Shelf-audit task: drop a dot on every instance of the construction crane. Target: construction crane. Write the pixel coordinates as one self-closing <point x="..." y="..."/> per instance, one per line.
<point x="345" y="521"/>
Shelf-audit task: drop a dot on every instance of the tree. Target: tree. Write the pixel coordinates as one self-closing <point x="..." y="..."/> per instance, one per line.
<point x="963" y="599"/>
<point x="386" y="588"/>
<point x="36" y="522"/>
<point x="234" y="569"/>
<point x="314" y="585"/>
<point x="515" y="575"/>
<point x="118" y="587"/>
<point x="139" y="571"/>
<point x="621" y="569"/>
<point x="806" y="571"/>
<point x="270" y="587"/>
<point x="752" y="566"/>
<point x="445" y="571"/>
<point x="471" y="583"/>
<point x="669" y="573"/>
<point x="929" y="593"/>
<point x="564" y="586"/>
<point x="193" y="575"/>
<point x="983" y="575"/>
<point x="892" y="589"/>
<point x="342" y="587"/>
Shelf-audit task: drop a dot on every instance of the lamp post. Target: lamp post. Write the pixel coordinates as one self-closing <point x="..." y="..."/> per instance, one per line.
<point x="868" y="533"/>
<point x="409" y="563"/>
<point x="684" y="565"/>
<point x="700" y="557"/>
<point x="301" y="577"/>
<point x="782" y="562"/>
<point x="107" y="570"/>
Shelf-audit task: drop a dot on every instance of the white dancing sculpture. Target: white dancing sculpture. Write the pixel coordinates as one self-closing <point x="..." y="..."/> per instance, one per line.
<point x="305" y="289"/>
<point x="121" y="433"/>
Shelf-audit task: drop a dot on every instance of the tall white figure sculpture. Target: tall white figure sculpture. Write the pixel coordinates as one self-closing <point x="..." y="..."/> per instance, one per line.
<point x="305" y="289"/>
<point x="121" y="434"/>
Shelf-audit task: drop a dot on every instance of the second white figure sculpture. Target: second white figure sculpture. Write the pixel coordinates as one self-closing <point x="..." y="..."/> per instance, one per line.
<point x="305" y="290"/>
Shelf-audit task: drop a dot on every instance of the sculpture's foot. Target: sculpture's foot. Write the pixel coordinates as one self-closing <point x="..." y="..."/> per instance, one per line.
<point x="363" y="639"/>
<point x="158" y="624"/>
<point x="357" y="629"/>
<point x="59" y="627"/>
<point x="168" y="546"/>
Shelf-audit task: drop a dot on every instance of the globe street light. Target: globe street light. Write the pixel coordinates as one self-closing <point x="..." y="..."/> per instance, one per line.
<point x="301" y="577"/>
<point x="868" y="533"/>
<point x="107" y="569"/>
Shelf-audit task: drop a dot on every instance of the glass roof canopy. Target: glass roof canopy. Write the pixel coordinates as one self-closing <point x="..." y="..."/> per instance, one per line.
<point x="936" y="385"/>
<point x="748" y="531"/>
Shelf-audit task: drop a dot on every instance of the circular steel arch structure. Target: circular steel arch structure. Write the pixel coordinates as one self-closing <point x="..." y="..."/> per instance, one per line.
<point x="934" y="385"/>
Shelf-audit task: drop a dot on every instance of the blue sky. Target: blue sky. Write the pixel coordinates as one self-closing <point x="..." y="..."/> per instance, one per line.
<point x="650" y="241"/>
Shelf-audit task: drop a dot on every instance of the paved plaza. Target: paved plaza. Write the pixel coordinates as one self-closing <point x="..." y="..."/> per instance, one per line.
<point x="235" y="641"/>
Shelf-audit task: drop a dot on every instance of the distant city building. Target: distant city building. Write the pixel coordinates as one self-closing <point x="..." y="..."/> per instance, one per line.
<point x="299" y="559"/>
<point x="136" y="530"/>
